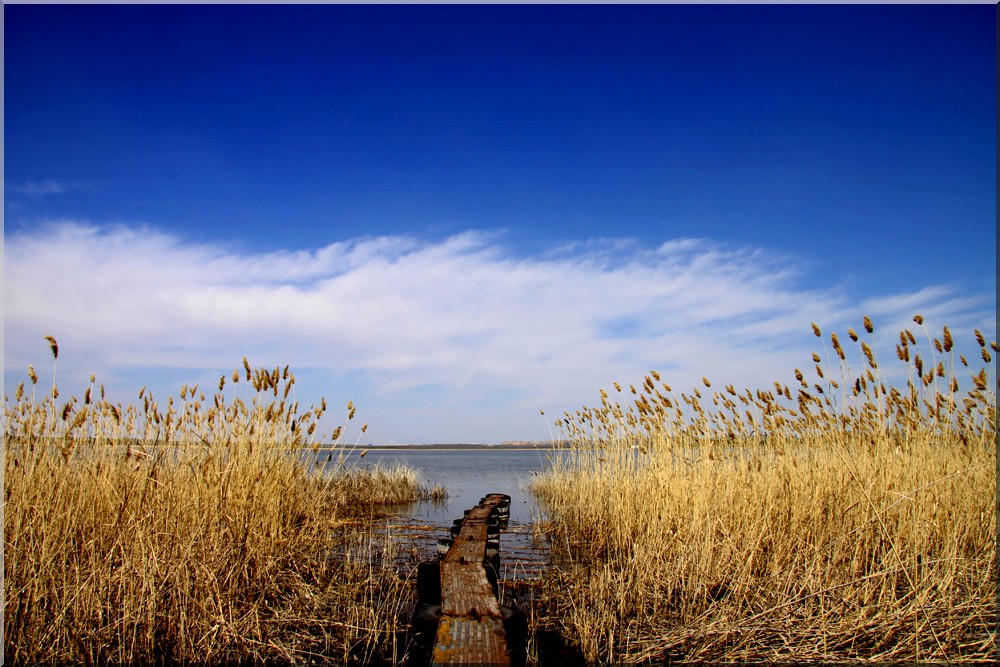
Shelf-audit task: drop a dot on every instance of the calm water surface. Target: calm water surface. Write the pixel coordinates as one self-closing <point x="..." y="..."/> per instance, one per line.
<point x="468" y="475"/>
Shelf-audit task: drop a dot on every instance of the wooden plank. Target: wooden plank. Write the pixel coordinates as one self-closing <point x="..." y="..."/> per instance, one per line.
<point x="471" y="626"/>
<point x="467" y="591"/>
<point x="467" y="641"/>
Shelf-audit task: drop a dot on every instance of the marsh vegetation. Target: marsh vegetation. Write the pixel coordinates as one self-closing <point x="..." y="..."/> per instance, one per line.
<point x="842" y="518"/>
<point x="194" y="531"/>
<point x="848" y="516"/>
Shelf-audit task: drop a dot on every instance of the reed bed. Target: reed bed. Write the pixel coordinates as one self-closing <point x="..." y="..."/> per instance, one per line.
<point x="196" y="531"/>
<point x="843" y="519"/>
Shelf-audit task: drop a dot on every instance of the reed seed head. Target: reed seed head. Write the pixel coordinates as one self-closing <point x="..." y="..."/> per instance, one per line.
<point x="980" y="380"/>
<point x="80" y="417"/>
<point x="53" y="346"/>
<point x="836" y="346"/>
<point x="919" y="319"/>
<point x="869" y="355"/>
<point x="869" y="327"/>
<point x="815" y="328"/>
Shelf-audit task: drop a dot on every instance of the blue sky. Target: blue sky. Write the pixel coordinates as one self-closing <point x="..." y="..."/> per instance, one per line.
<point x="457" y="216"/>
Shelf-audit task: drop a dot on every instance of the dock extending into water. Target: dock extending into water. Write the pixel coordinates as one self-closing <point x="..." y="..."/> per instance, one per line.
<point x="471" y="624"/>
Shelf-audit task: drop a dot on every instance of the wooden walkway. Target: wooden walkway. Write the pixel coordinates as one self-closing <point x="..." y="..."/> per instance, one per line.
<point x="471" y="629"/>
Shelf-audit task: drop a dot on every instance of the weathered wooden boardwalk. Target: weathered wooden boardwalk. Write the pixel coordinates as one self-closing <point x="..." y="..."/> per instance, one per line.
<point x="471" y="629"/>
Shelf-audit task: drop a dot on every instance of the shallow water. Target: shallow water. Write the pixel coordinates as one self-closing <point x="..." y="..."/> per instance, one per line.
<point x="467" y="475"/>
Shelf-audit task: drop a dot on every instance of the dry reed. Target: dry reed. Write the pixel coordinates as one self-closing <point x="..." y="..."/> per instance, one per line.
<point x="196" y="531"/>
<point x="840" y="520"/>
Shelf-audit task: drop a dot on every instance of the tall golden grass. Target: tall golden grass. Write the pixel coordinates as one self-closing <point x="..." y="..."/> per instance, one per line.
<point x="196" y="531"/>
<point x="842" y="519"/>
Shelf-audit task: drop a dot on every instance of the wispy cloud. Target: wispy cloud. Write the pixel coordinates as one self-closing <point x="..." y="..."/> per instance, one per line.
<point x="457" y="339"/>
<point x="39" y="188"/>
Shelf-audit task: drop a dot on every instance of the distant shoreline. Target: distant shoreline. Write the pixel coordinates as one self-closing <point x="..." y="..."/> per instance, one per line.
<point x="444" y="446"/>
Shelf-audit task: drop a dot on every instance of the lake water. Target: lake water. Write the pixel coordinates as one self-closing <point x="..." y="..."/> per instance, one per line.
<point x="468" y="475"/>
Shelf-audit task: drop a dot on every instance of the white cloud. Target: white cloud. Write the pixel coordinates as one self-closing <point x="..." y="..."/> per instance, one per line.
<point x="38" y="188"/>
<point x="453" y="340"/>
